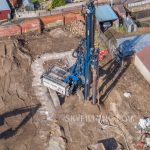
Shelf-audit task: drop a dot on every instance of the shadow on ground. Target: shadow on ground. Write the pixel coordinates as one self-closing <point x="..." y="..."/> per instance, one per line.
<point x="112" y="74"/>
<point x="11" y="132"/>
<point x="109" y="144"/>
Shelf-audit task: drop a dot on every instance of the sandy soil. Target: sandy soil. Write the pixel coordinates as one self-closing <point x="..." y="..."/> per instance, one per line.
<point x="22" y="127"/>
<point x="21" y="124"/>
<point x="113" y="121"/>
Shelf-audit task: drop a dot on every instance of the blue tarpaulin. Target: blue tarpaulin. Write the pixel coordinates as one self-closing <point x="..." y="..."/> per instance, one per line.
<point x="105" y="13"/>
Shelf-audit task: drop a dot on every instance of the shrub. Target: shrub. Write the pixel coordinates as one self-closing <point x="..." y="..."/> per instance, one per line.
<point x="57" y="3"/>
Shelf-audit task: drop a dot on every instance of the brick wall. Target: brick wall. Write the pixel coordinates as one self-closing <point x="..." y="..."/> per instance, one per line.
<point x="51" y="19"/>
<point x="143" y="29"/>
<point x="30" y="25"/>
<point x="10" y="30"/>
<point x="62" y="18"/>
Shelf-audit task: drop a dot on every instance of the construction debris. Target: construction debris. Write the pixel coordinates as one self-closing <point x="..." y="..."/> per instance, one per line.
<point x="144" y="133"/>
<point x="127" y="94"/>
<point x="77" y="28"/>
<point x="144" y="124"/>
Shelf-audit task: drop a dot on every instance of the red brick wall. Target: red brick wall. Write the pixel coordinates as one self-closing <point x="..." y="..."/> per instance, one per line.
<point x="143" y="29"/>
<point x="30" y="25"/>
<point x="23" y="27"/>
<point x="10" y="30"/>
<point x="65" y="18"/>
<point x="51" y="19"/>
<point x="70" y="17"/>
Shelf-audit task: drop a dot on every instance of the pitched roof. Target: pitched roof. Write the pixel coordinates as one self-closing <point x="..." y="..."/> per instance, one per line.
<point x="105" y="13"/>
<point x="4" y="5"/>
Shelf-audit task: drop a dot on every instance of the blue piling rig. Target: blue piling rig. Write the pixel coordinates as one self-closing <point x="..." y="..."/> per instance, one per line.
<point x="90" y="24"/>
<point x="85" y="68"/>
<point x="87" y="58"/>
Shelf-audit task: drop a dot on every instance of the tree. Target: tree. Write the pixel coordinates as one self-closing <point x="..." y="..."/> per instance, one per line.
<point x="57" y="3"/>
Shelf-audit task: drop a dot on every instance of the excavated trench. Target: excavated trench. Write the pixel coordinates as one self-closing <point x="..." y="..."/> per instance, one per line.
<point x="29" y="120"/>
<point x="48" y="98"/>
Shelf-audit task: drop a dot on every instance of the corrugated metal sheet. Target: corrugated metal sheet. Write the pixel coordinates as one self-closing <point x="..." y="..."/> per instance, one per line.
<point x="4" y="5"/>
<point x="134" y="43"/>
<point x="105" y="13"/>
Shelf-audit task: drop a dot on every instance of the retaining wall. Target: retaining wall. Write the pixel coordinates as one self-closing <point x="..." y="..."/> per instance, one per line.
<point x="51" y="21"/>
<point x="61" y="18"/>
<point x="35" y="24"/>
<point x="30" y="25"/>
<point x="143" y="29"/>
<point x="69" y="18"/>
<point x="10" y="30"/>
<point x="24" y="26"/>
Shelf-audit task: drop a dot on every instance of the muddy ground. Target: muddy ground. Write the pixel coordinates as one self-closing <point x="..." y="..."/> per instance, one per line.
<point x="23" y="127"/>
